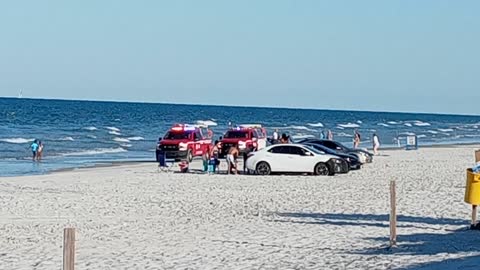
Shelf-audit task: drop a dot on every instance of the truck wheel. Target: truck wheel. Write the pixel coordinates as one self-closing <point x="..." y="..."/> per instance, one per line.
<point x="189" y="156"/>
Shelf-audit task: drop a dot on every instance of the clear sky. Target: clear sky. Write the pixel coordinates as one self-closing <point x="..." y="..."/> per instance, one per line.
<point x="405" y="55"/>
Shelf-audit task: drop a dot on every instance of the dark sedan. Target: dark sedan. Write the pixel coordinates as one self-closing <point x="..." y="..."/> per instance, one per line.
<point x="363" y="156"/>
<point x="352" y="160"/>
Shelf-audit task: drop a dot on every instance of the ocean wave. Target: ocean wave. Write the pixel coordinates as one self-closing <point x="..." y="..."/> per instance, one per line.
<point x="97" y="151"/>
<point x="349" y="125"/>
<point x="408" y="124"/>
<point x="136" y="138"/>
<point x="299" y="128"/>
<point x="66" y="139"/>
<point x="315" y="124"/>
<point x="343" y="134"/>
<point x="421" y="136"/>
<point x="113" y="129"/>
<point x="117" y="139"/>
<point x="207" y="123"/>
<point x="92" y="136"/>
<point x="445" y="130"/>
<point x="432" y="131"/>
<point x="407" y="134"/>
<point x="421" y="124"/>
<point x="383" y="125"/>
<point x="302" y="136"/>
<point x="393" y="123"/>
<point x="113" y="132"/>
<point x="16" y="140"/>
<point x="359" y="122"/>
<point x="90" y="128"/>
<point x="125" y="145"/>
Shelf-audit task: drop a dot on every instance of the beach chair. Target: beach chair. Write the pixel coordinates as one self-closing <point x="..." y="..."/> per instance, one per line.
<point x="165" y="164"/>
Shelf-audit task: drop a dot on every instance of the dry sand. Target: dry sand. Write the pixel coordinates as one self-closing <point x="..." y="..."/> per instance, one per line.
<point x="134" y="217"/>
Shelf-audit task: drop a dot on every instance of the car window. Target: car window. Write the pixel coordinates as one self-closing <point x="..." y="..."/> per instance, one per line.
<point x="197" y="135"/>
<point x="236" y="134"/>
<point x="296" y="150"/>
<point x="177" y="135"/>
<point x="279" y="150"/>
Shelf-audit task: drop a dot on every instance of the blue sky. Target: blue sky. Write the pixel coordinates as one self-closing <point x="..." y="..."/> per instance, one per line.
<point x="405" y="55"/>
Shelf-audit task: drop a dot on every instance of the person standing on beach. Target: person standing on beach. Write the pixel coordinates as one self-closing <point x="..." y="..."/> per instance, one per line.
<point x="376" y="144"/>
<point x="275" y="136"/>
<point x="329" y="135"/>
<point x="209" y="133"/>
<point x="34" y="147"/>
<point x="356" y="139"/>
<point x="232" y="156"/>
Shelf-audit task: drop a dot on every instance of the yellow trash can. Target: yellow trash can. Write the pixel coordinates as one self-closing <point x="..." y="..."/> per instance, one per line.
<point x="472" y="190"/>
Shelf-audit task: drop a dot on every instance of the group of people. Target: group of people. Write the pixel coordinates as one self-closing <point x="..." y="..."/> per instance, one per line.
<point x="211" y="160"/>
<point x="37" y="150"/>
<point x="375" y="141"/>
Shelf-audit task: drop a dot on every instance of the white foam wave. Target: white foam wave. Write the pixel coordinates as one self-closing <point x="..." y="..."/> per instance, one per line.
<point x="315" y="124"/>
<point x="383" y="124"/>
<point x="343" y="134"/>
<point x="90" y="128"/>
<point x="207" y="123"/>
<point x="359" y="122"/>
<point x="432" y="131"/>
<point x="422" y="136"/>
<point x="125" y="145"/>
<point x="445" y="130"/>
<point x="113" y="129"/>
<point x="393" y="123"/>
<point x="299" y="128"/>
<point x="92" y="136"/>
<point x="407" y="133"/>
<point x="136" y="138"/>
<point x="97" y="151"/>
<point x="349" y="125"/>
<point x="16" y="140"/>
<point x="117" y="139"/>
<point x="302" y="136"/>
<point x="113" y="132"/>
<point x="66" y="139"/>
<point x="340" y="128"/>
<point x="421" y="124"/>
<point x="408" y="124"/>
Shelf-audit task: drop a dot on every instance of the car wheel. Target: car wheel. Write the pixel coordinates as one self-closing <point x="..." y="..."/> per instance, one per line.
<point x="263" y="168"/>
<point x="321" y="169"/>
<point x="189" y="156"/>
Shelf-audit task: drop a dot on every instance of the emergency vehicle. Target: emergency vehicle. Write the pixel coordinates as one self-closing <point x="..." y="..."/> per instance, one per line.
<point x="248" y="138"/>
<point x="182" y="142"/>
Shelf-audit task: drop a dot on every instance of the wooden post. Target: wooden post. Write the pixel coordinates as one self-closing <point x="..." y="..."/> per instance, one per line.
<point x="474" y="215"/>
<point x="69" y="249"/>
<point x="393" y="214"/>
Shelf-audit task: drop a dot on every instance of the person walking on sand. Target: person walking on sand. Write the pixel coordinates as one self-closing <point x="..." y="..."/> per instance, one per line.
<point x="329" y="135"/>
<point x="356" y="139"/>
<point x="376" y="144"/>
<point x="34" y="147"/>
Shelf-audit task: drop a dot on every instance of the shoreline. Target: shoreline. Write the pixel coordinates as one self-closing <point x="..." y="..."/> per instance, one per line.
<point x="113" y="163"/>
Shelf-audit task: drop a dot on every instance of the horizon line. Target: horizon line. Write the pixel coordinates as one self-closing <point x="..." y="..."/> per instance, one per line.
<point x="239" y="106"/>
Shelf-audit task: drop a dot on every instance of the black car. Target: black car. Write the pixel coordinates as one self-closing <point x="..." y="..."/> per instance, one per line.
<point x="352" y="160"/>
<point x="362" y="155"/>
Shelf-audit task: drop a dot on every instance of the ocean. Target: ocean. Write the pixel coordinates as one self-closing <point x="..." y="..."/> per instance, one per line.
<point x="85" y="133"/>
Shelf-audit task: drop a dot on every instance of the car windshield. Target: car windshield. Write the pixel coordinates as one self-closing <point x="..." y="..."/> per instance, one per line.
<point x="236" y="135"/>
<point x="177" y="135"/>
<point x="314" y="150"/>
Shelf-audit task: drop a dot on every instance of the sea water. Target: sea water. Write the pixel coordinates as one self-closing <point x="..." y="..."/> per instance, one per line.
<point x="84" y="133"/>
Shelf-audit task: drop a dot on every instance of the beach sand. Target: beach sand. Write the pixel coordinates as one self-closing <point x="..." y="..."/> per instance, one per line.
<point x="134" y="217"/>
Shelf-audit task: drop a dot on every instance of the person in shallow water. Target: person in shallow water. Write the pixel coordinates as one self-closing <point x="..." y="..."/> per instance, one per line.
<point x="356" y="139"/>
<point x="34" y="146"/>
<point x="40" y="150"/>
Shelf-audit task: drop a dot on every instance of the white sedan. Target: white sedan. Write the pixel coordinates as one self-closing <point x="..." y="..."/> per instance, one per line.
<point x="289" y="158"/>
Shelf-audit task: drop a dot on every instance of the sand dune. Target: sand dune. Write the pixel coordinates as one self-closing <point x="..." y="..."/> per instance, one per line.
<point x="133" y="217"/>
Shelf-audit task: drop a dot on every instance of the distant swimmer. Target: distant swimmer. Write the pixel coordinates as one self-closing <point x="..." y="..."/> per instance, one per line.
<point x="34" y="146"/>
<point x="40" y="150"/>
